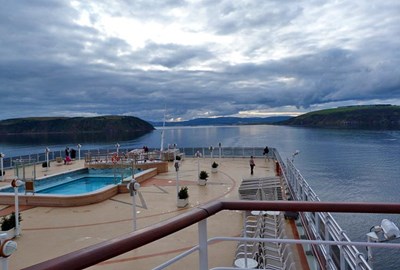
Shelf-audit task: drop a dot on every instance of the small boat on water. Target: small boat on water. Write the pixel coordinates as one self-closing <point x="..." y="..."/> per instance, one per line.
<point x="273" y="218"/>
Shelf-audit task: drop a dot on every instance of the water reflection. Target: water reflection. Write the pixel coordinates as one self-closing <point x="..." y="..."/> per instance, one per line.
<point x="55" y="139"/>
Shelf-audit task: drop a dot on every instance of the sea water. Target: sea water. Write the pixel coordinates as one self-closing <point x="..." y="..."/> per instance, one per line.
<point x="340" y="165"/>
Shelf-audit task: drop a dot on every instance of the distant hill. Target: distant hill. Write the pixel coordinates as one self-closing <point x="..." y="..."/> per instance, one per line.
<point x="49" y="125"/>
<point x="361" y="117"/>
<point x="225" y="121"/>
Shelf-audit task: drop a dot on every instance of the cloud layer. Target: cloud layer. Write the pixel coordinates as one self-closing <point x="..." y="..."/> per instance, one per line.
<point x="196" y="58"/>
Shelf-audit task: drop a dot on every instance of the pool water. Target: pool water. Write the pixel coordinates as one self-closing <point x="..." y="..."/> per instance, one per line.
<point x="76" y="182"/>
<point x="79" y="186"/>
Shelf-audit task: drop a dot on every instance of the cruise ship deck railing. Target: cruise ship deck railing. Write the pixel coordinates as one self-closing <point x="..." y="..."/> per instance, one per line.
<point x="319" y="225"/>
<point x="108" y="249"/>
<point x="188" y="151"/>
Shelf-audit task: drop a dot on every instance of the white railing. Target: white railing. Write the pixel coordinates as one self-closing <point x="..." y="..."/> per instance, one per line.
<point x="107" y="249"/>
<point x="321" y="225"/>
<point x="215" y="152"/>
<point x="326" y="235"/>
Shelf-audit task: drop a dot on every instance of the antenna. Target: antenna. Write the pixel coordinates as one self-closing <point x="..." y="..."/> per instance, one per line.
<point x="162" y="132"/>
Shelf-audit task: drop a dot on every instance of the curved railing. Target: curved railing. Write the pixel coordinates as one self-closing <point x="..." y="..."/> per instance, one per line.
<point x="107" y="152"/>
<point x="320" y="225"/>
<point x="108" y="249"/>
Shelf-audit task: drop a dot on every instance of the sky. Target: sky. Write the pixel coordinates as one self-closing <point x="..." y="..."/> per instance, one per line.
<point x="194" y="59"/>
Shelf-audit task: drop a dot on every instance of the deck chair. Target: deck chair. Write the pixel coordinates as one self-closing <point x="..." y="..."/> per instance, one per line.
<point x="29" y="187"/>
<point x="59" y="161"/>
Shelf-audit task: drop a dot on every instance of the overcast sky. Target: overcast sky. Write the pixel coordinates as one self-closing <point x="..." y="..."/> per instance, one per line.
<point x="196" y="58"/>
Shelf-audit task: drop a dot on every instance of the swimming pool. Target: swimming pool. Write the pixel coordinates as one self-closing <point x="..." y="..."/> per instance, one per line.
<point x="80" y="186"/>
<point x="76" y="182"/>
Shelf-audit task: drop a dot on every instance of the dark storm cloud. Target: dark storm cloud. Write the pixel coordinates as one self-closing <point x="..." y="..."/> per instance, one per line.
<point x="198" y="59"/>
<point x="172" y="55"/>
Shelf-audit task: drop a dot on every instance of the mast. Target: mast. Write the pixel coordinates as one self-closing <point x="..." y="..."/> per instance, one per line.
<point x="162" y="132"/>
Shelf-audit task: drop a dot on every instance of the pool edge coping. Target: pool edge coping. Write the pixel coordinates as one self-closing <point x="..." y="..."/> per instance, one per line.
<point x="92" y="197"/>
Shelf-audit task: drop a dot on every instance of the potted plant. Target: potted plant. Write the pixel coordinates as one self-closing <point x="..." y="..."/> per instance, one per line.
<point x="214" y="167"/>
<point x="203" y="178"/>
<point x="8" y="225"/>
<point x="183" y="197"/>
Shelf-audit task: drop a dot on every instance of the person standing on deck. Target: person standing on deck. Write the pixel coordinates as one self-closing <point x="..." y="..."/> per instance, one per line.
<point x="252" y="164"/>
<point x="266" y="151"/>
<point x="67" y="151"/>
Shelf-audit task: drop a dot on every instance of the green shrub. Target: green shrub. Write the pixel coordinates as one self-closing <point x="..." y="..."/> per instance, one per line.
<point x="203" y="175"/>
<point x="8" y="222"/>
<point x="183" y="193"/>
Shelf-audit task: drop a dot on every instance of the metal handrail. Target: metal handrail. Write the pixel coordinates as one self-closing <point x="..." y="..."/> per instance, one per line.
<point x="189" y="151"/>
<point x="108" y="249"/>
<point x="301" y="190"/>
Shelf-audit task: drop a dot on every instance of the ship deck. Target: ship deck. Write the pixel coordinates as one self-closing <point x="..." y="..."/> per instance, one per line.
<point x="48" y="232"/>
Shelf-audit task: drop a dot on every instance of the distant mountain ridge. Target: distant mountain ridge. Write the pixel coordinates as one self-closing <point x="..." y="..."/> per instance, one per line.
<point x="225" y="121"/>
<point x="48" y="125"/>
<point x="358" y="117"/>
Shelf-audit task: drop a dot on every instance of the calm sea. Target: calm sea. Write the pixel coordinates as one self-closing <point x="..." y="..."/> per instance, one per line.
<point x="340" y="165"/>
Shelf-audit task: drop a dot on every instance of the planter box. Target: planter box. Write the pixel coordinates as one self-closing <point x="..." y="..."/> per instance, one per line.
<point x="214" y="170"/>
<point x="202" y="182"/>
<point x="10" y="233"/>
<point x="182" y="203"/>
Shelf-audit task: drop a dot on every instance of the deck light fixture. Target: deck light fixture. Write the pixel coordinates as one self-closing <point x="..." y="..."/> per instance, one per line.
<point x="387" y="231"/>
<point x="198" y="155"/>
<point x="1" y="167"/>
<point x="174" y="147"/>
<point x="133" y="187"/>
<point x="7" y="247"/>
<point x="79" y="151"/>
<point x="176" y="165"/>
<point x="47" y="151"/>
<point x="390" y="230"/>
<point x="15" y="183"/>
<point x="117" y="146"/>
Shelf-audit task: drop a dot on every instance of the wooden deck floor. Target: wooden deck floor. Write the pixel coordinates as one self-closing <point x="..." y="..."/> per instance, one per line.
<point x="48" y="232"/>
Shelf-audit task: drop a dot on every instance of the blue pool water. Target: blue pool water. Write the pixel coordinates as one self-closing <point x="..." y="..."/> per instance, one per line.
<point x="79" y="186"/>
<point x="76" y="182"/>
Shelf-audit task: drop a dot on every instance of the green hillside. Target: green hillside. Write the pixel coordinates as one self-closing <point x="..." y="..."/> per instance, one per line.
<point x="365" y="117"/>
<point x="48" y="125"/>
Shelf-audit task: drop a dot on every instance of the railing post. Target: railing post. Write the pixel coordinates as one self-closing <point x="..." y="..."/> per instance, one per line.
<point x="306" y="192"/>
<point x="342" y="253"/>
<point x="203" y="248"/>
<point x="327" y="236"/>
<point x="359" y="260"/>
